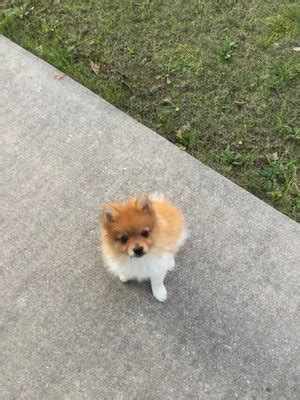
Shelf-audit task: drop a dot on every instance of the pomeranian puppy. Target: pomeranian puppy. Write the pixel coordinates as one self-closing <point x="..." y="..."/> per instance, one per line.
<point x="140" y="239"/>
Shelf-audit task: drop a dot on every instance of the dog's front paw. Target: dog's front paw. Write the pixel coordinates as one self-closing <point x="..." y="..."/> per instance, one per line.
<point x="172" y="264"/>
<point x="160" y="293"/>
<point x="124" y="279"/>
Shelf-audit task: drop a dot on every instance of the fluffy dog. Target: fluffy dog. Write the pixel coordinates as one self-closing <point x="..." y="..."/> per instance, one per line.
<point x="140" y="239"/>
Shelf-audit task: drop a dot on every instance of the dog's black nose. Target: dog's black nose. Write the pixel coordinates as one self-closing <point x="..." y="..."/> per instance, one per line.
<point x="138" y="251"/>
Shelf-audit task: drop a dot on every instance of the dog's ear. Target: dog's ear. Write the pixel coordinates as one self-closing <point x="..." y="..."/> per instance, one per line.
<point x="109" y="213"/>
<point x="143" y="203"/>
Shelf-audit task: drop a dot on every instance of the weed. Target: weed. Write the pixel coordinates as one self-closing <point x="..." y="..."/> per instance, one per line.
<point x="235" y="159"/>
<point x="170" y="106"/>
<point x="226" y="50"/>
<point x="10" y="14"/>
<point x="281" y="180"/>
<point x="271" y="172"/>
<point x="185" y="139"/>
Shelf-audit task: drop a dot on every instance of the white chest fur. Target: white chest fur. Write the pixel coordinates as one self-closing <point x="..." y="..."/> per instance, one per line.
<point x="151" y="265"/>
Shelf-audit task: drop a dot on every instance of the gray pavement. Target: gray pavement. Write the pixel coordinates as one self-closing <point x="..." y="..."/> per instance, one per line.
<point x="69" y="330"/>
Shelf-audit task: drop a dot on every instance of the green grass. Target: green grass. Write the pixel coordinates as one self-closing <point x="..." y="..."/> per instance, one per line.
<point x="217" y="78"/>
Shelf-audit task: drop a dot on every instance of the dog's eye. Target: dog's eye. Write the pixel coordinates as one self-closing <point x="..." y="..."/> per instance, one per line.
<point x="124" y="239"/>
<point x="145" y="234"/>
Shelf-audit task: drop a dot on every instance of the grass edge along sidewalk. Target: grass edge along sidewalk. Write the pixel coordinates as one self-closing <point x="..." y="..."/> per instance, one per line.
<point x="218" y="80"/>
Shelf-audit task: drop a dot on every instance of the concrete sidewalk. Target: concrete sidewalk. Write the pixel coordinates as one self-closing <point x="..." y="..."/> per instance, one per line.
<point x="72" y="331"/>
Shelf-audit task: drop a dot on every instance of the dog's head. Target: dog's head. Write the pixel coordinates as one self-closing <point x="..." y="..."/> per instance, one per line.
<point x="130" y="227"/>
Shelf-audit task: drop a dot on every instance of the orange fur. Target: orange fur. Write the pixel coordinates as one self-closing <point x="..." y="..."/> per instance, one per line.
<point x="164" y="222"/>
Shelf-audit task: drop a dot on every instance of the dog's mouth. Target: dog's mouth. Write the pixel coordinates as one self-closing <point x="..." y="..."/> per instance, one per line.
<point x="139" y="255"/>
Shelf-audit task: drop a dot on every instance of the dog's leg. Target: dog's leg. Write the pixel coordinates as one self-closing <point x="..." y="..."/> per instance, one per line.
<point x="158" y="288"/>
<point x="171" y="263"/>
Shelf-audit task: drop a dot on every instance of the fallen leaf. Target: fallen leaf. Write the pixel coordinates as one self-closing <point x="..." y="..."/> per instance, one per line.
<point x="274" y="156"/>
<point x="59" y="75"/>
<point x="296" y="48"/>
<point x="240" y="103"/>
<point x="95" y="67"/>
<point x="145" y="59"/>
